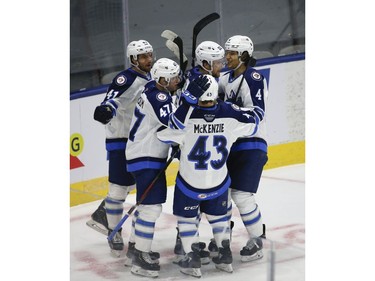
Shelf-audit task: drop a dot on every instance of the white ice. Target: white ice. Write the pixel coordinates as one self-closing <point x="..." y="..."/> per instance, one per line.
<point x="281" y="198"/>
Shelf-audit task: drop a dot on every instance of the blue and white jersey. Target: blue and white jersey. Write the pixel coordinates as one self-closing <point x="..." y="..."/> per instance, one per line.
<point x="122" y="96"/>
<point x="144" y="150"/>
<point x="253" y="94"/>
<point x="205" y="136"/>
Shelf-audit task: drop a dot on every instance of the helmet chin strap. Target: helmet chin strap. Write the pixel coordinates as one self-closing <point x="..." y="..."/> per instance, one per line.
<point x="137" y="67"/>
<point x="209" y="71"/>
<point x="164" y="86"/>
<point x="241" y="62"/>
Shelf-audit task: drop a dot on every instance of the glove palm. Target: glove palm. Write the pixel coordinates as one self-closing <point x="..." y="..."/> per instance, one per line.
<point x="195" y="89"/>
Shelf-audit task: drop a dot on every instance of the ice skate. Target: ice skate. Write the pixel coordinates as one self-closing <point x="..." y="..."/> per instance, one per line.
<point x="180" y="253"/>
<point x="155" y="256"/>
<point x="224" y="259"/>
<point x="252" y="251"/>
<point x="98" y="220"/>
<point x="144" y="265"/>
<point x="213" y="249"/>
<point x="116" y="244"/>
<point x="191" y="263"/>
<point x="203" y="254"/>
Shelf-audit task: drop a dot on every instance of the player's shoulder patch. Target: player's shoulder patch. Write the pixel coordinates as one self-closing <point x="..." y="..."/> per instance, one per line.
<point x="121" y="80"/>
<point x="256" y="76"/>
<point x="161" y="97"/>
<point x="235" y="107"/>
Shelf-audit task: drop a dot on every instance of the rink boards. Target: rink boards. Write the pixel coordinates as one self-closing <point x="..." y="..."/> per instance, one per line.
<point x="285" y="125"/>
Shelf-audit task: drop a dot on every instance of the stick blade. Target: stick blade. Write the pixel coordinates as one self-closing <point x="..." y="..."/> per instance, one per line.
<point x="173" y="47"/>
<point x="169" y="34"/>
<point x="203" y="22"/>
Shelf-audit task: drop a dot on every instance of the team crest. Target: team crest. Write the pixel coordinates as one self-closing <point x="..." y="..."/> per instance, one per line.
<point x="161" y="97"/>
<point x="209" y="117"/>
<point x="256" y="76"/>
<point x="121" y="80"/>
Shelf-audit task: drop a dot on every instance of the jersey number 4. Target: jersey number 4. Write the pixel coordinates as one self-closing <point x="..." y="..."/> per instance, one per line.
<point x="201" y="156"/>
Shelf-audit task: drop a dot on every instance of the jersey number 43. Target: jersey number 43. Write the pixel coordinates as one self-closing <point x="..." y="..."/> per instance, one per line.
<point x="201" y="156"/>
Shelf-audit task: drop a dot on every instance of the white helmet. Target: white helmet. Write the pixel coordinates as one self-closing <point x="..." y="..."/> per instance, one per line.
<point x="139" y="47"/>
<point x="166" y="68"/>
<point x="240" y="44"/>
<point x="212" y="92"/>
<point x="208" y="51"/>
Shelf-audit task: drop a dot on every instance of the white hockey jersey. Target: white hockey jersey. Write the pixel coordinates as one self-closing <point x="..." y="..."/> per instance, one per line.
<point x="144" y="150"/>
<point x="252" y="94"/>
<point x="205" y="136"/>
<point x="122" y="95"/>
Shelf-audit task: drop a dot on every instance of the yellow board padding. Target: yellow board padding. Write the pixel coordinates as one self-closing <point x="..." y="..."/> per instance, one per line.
<point x="96" y="189"/>
<point x="285" y="154"/>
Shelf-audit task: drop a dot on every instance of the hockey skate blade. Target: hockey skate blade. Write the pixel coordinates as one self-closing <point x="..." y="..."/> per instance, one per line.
<point x="225" y="267"/>
<point x="97" y="227"/>
<point x="258" y="255"/>
<point x="195" y="272"/>
<point x="137" y="270"/>
<point x="128" y="262"/>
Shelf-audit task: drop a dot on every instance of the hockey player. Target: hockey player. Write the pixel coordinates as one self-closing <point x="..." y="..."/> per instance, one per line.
<point x="205" y="134"/>
<point x="210" y="60"/>
<point x="246" y="87"/>
<point x="115" y="113"/>
<point x="146" y="156"/>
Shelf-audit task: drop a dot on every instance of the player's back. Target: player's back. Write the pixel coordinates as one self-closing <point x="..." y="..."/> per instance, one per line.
<point x="206" y="141"/>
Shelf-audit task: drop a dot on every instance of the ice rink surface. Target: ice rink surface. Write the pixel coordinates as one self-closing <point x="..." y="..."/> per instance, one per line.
<point x="281" y="198"/>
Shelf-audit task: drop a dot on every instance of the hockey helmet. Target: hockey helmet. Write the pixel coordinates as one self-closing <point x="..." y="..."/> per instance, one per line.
<point x="208" y="51"/>
<point x="240" y="44"/>
<point x="166" y="68"/>
<point x="139" y="47"/>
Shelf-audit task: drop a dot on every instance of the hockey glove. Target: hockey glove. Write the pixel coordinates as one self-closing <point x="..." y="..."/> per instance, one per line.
<point x="198" y="86"/>
<point x="103" y="114"/>
<point x="195" y="89"/>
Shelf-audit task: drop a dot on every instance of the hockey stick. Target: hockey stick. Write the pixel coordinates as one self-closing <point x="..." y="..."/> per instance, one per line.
<point x="145" y="193"/>
<point x="170" y="35"/>
<point x="197" y="28"/>
<point x="174" y="48"/>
